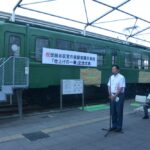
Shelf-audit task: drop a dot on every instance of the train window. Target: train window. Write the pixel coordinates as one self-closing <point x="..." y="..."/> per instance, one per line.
<point x="114" y="57"/>
<point x="100" y="60"/>
<point x="14" y="45"/>
<point x="99" y="50"/>
<point x="82" y="47"/>
<point x="136" y="60"/>
<point x="63" y="44"/>
<point x="128" y="60"/>
<point x="145" y="62"/>
<point x="100" y="55"/>
<point x="40" y="43"/>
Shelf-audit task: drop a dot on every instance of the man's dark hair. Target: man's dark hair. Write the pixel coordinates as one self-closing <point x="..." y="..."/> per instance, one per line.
<point x="117" y="67"/>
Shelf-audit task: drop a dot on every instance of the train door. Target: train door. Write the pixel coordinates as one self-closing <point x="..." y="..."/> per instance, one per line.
<point x="14" y="44"/>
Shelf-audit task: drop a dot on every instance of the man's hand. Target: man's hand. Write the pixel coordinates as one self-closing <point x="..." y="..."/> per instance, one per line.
<point x="112" y="97"/>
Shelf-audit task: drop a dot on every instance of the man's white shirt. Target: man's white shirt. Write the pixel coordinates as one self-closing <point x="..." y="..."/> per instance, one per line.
<point x="116" y="82"/>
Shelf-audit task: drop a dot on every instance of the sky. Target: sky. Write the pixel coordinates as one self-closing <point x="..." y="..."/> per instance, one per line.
<point x="74" y="9"/>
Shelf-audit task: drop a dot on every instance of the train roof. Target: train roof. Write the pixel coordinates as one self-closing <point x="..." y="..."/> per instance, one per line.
<point x="5" y="17"/>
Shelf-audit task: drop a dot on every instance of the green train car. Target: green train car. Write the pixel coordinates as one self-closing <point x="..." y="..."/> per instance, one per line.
<point x="32" y="35"/>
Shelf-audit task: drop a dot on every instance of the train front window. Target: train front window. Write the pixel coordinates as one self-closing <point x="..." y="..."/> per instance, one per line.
<point x="145" y="62"/>
<point x="40" y="43"/>
<point x="14" y="45"/>
<point x="136" y="61"/>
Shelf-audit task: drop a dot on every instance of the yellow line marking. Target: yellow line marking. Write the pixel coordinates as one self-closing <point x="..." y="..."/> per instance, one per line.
<point x="67" y="126"/>
<point x="55" y="129"/>
<point x="11" y="138"/>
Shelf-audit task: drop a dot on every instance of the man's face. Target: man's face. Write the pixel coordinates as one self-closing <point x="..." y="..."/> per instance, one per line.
<point x="115" y="70"/>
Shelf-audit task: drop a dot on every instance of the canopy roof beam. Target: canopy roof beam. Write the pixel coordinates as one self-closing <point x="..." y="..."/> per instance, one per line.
<point x="92" y="23"/>
<point x="119" y="33"/>
<point x="36" y="2"/>
<point x="14" y="9"/>
<point x="87" y="19"/>
<point x="136" y="17"/>
<point x="112" y="9"/>
<point x="80" y="22"/>
<point x="137" y="33"/>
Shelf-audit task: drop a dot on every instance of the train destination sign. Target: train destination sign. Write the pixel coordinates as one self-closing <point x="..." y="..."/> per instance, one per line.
<point x="66" y="57"/>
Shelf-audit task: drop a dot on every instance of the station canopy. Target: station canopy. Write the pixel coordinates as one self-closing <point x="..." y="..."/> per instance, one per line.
<point x="127" y="20"/>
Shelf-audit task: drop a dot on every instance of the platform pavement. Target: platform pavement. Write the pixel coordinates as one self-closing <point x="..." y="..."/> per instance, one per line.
<point x="74" y="130"/>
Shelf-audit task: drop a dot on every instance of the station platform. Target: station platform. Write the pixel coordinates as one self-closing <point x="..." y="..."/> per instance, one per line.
<point x="74" y="129"/>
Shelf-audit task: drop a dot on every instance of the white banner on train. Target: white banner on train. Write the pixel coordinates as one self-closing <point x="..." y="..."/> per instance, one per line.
<point x="66" y="57"/>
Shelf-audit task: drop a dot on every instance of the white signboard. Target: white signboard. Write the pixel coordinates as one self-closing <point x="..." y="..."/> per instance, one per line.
<point x="72" y="87"/>
<point x="66" y="57"/>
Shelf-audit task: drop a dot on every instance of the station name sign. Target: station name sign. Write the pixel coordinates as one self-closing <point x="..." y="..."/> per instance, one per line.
<point x="66" y="57"/>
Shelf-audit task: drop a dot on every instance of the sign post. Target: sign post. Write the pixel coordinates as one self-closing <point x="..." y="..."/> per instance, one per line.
<point x="71" y="86"/>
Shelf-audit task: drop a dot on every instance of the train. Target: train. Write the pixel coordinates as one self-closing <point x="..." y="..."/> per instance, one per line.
<point x="31" y="36"/>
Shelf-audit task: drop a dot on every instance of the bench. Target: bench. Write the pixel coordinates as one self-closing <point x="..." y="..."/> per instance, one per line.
<point x="141" y="99"/>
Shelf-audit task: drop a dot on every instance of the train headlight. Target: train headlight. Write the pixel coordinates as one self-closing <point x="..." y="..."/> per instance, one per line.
<point x="15" y="48"/>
